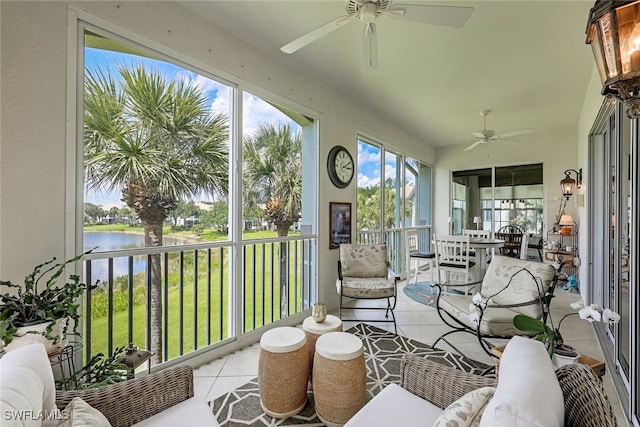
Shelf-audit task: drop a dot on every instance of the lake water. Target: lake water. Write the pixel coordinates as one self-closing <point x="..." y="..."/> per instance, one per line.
<point x="111" y="241"/>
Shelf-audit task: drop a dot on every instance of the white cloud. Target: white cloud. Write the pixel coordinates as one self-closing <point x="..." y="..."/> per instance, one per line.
<point x="366" y="181"/>
<point x="257" y="112"/>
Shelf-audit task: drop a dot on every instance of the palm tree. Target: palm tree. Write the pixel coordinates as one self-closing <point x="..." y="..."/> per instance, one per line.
<point x="273" y="179"/>
<point x="157" y="142"/>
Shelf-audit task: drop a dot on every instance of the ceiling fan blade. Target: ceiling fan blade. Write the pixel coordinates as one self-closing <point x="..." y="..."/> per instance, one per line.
<point x="314" y="35"/>
<point x="474" y="145"/>
<point x="448" y="16"/>
<point x="478" y="134"/>
<point x="514" y="133"/>
<point x="369" y="47"/>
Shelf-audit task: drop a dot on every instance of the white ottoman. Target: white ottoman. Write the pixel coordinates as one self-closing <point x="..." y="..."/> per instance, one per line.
<point x="283" y="371"/>
<point x="313" y="330"/>
<point x="339" y="377"/>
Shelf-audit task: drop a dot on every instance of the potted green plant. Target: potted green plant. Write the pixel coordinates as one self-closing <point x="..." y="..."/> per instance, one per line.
<point x="41" y="305"/>
<point x="551" y="337"/>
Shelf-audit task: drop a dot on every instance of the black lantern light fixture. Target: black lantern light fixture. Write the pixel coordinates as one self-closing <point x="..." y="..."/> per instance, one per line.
<point x="569" y="184"/>
<point x="614" y="35"/>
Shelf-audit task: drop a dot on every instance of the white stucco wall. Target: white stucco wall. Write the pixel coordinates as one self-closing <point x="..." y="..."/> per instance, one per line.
<point x="34" y="99"/>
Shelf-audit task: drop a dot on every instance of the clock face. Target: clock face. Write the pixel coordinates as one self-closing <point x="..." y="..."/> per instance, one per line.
<point x="344" y="166"/>
<point x="340" y="166"/>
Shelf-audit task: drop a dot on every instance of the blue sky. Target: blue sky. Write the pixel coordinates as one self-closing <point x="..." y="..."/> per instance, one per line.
<point x="255" y="111"/>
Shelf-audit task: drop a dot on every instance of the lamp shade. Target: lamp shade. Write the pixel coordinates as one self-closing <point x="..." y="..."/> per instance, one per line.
<point x="477" y="220"/>
<point x="566" y="220"/>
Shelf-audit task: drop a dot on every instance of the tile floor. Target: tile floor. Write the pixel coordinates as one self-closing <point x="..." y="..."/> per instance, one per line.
<point x="416" y="321"/>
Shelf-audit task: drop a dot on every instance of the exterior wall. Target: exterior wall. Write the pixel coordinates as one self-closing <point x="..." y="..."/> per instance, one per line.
<point x="33" y="208"/>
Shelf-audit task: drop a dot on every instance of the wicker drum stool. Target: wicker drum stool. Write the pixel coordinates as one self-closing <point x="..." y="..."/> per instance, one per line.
<point x="313" y="330"/>
<point x="283" y="371"/>
<point x="339" y="377"/>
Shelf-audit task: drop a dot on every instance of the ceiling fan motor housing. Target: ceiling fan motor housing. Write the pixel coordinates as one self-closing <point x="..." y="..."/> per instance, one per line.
<point x="367" y="11"/>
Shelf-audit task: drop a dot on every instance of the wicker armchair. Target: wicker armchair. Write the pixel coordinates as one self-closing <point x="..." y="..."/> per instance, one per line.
<point x="585" y="401"/>
<point x="132" y="401"/>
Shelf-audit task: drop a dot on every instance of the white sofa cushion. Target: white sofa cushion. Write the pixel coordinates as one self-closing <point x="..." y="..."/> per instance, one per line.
<point x="528" y="392"/>
<point x="79" y="413"/>
<point x="191" y="412"/>
<point x="26" y="384"/>
<point x="395" y="406"/>
<point x="466" y="411"/>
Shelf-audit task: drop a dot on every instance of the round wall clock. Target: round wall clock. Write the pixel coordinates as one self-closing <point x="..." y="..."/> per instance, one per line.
<point x="340" y="166"/>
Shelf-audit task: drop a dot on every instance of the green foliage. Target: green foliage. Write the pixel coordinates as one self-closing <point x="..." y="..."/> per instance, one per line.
<point x="30" y="305"/>
<point x="272" y="174"/>
<point x="550" y="337"/>
<point x="98" y="372"/>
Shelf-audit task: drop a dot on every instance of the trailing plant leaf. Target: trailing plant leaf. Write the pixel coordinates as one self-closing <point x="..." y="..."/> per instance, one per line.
<point x="52" y="302"/>
<point x="98" y="372"/>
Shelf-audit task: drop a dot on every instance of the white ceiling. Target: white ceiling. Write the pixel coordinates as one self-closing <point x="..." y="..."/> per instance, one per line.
<point x="527" y="61"/>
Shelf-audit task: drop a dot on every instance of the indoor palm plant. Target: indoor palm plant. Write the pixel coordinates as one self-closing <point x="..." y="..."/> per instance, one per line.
<point x="41" y="300"/>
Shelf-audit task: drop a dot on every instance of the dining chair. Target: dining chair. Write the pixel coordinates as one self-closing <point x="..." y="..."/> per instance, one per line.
<point x="417" y="258"/>
<point x="453" y="263"/>
<point x="512" y="236"/>
<point x="364" y="272"/>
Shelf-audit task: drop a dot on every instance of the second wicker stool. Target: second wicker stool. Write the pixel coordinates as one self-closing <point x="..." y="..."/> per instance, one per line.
<point x="339" y="377"/>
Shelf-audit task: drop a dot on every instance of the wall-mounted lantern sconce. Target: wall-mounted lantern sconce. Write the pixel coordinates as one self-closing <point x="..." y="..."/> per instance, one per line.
<point x="569" y="184"/>
<point x="613" y="31"/>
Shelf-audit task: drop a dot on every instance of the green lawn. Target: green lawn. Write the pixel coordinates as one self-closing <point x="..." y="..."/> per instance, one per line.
<point x="261" y="282"/>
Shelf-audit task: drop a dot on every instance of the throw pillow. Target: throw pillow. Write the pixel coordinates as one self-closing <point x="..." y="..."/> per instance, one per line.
<point x="466" y="411"/>
<point x="528" y="393"/>
<point x="79" y="413"/>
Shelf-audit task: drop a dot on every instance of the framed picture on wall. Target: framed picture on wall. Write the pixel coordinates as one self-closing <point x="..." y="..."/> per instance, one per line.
<point x="340" y="224"/>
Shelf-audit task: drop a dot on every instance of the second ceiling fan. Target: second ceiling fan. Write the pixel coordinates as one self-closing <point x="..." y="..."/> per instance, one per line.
<point x="486" y="135"/>
<point x="368" y="11"/>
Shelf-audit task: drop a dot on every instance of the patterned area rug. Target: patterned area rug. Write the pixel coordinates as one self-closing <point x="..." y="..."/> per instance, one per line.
<point x="382" y="350"/>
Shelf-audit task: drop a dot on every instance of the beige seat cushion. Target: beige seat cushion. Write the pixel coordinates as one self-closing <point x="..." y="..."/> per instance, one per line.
<point x="495" y="321"/>
<point x="395" y="406"/>
<point x="191" y="412"/>
<point x="367" y="288"/>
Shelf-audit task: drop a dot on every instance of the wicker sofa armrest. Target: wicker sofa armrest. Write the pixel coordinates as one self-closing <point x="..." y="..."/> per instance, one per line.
<point x="585" y="401"/>
<point x="436" y="383"/>
<point x="132" y="401"/>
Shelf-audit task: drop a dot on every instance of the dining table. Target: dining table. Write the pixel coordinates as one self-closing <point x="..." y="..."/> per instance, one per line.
<point x="481" y="245"/>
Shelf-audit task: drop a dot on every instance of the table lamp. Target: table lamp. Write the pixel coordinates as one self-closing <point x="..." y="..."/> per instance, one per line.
<point x="566" y="225"/>
<point x="477" y="221"/>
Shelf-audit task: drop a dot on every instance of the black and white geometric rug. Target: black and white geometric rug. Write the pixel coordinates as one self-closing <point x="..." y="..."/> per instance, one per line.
<point x="382" y="351"/>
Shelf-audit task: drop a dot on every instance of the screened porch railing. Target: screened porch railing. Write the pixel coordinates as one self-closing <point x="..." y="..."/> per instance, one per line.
<point x="395" y="239"/>
<point x="197" y="295"/>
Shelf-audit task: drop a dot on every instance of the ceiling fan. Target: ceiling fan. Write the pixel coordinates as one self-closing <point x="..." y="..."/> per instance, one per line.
<point x="486" y="135"/>
<point x="368" y="11"/>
